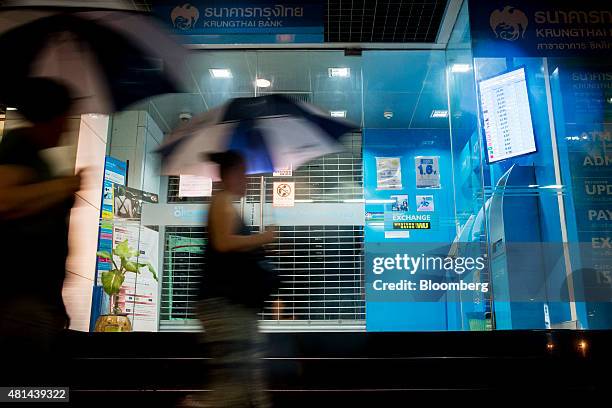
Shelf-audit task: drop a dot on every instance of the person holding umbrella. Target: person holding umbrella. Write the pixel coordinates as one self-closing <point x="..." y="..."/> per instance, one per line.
<point x="236" y="281"/>
<point x="66" y="59"/>
<point x="244" y="136"/>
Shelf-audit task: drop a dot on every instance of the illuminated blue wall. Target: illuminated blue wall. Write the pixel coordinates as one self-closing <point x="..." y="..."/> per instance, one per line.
<point x="582" y="92"/>
<point x="406" y="144"/>
<point x="555" y="178"/>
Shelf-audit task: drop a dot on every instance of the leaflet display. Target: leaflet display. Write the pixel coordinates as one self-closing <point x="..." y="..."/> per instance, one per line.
<point x="506" y="116"/>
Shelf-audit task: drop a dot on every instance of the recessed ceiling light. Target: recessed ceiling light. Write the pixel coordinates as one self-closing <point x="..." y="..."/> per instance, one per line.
<point x="338" y="114"/>
<point x="9" y="108"/>
<point x="262" y="83"/>
<point x="439" y="113"/>
<point x="220" y="73"/>
<point x="460" y="68"/>
<point x="341" y="72"/>
<point x="388" y="114"/>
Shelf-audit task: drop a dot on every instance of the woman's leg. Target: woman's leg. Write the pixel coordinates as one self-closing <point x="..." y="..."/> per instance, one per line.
<point x="235" y="372"/>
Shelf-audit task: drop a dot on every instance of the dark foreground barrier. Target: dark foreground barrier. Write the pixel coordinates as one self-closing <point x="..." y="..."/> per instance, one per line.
<point x="327" y="369"/>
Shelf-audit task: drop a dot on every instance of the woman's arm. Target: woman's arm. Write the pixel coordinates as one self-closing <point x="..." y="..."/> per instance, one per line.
<point x="222" y="221"/>
<point x="19" y="198"/>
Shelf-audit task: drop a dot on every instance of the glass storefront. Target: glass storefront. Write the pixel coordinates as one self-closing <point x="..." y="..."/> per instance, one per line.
<point x="499" y="167"/>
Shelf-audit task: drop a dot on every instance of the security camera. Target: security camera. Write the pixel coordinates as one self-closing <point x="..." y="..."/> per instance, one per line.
<point x="185" y="116"/>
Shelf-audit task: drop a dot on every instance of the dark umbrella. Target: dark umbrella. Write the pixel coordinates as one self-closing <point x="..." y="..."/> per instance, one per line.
<point x="109" y="59"/>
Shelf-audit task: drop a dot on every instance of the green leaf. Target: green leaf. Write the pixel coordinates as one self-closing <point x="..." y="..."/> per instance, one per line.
<point x="150" y="268"/>
<point x="104" y="254"/>
<point x="122" y="250"/>
<point x="112" y="281"/>
<point x="131" y="267"/>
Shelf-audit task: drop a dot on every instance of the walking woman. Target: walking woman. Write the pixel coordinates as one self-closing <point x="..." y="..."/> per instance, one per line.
<point x="34" y="210"/>
<point x="235" y="283"/>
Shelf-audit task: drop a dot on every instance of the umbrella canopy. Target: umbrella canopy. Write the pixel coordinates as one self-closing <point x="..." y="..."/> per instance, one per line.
<point x="109" y="59"/>
<point x="270" y="131"/>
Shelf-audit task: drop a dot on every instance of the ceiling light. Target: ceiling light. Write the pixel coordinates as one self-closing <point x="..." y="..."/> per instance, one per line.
<point x="460" y="68"/>
<point x="262" y="83"/>
<point x="339" y="72"/>
<point x="220" y="73"/>
<point x="439" y="113"/>
<point x="9" y="108"/>
<point x="388" y="114"/>
<point x="338" y="114"/>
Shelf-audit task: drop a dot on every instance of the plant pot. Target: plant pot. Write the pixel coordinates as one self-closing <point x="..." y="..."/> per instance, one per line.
<point x="113" y="323"/>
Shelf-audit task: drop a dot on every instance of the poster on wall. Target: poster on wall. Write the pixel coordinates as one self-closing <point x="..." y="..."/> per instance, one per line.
<point x="399" y="220"/>
<point x="283" y="194"/>
<point x="399" y="202"/>
<point x="139" y="293"/>
<point x="399" y="205"/>
<point x="105" y="243"/>
<point x="388" y="173"/>
<point x="427" y="171"/>
<point x="128" y="202"/>
<point x="115" y="170"/>
<point x="425" y="203"/>
<point x="108" y="195"/>
<point x="194" y="186"/>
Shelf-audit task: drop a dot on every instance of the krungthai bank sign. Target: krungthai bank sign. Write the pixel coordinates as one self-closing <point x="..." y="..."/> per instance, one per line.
<point x="244" y="22"/>
<point x="502" y="28"/>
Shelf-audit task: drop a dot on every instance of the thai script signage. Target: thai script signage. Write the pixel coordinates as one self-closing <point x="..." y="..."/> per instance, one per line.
<point x="528" y="28"/>
<point x="225" y="22"/>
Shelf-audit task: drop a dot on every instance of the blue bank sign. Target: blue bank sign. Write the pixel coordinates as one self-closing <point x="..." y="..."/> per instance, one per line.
<point x="243" y="22"/>
<point x="564" y="28"/>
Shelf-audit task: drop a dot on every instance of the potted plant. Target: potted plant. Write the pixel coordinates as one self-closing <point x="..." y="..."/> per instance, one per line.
<point x="112" y="280"/>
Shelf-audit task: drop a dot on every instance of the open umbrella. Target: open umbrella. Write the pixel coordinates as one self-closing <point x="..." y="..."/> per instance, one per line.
<point x="110" y="59"/>
<point x="270" y="131"/>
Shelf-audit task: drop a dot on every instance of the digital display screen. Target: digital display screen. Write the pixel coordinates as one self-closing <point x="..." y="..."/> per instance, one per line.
<point x="506" y="116"/>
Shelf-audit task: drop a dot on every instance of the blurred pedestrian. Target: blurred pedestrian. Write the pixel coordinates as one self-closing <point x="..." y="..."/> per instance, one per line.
<point x="236" y="282"/>
<point x="34" y="209"/>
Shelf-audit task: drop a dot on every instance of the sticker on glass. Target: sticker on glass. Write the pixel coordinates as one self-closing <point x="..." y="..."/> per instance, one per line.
<point x="388" y="173"/>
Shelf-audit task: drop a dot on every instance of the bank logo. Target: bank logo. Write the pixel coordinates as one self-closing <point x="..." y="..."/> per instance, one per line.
<point x="185" y="17"/>
<point x="509" y="24"/>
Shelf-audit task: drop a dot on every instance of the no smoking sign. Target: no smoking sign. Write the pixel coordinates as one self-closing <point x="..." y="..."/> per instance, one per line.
<point x="283" y="194"/>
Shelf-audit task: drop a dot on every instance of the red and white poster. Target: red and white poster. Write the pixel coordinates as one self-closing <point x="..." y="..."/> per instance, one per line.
<point x="139" y="296"/>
